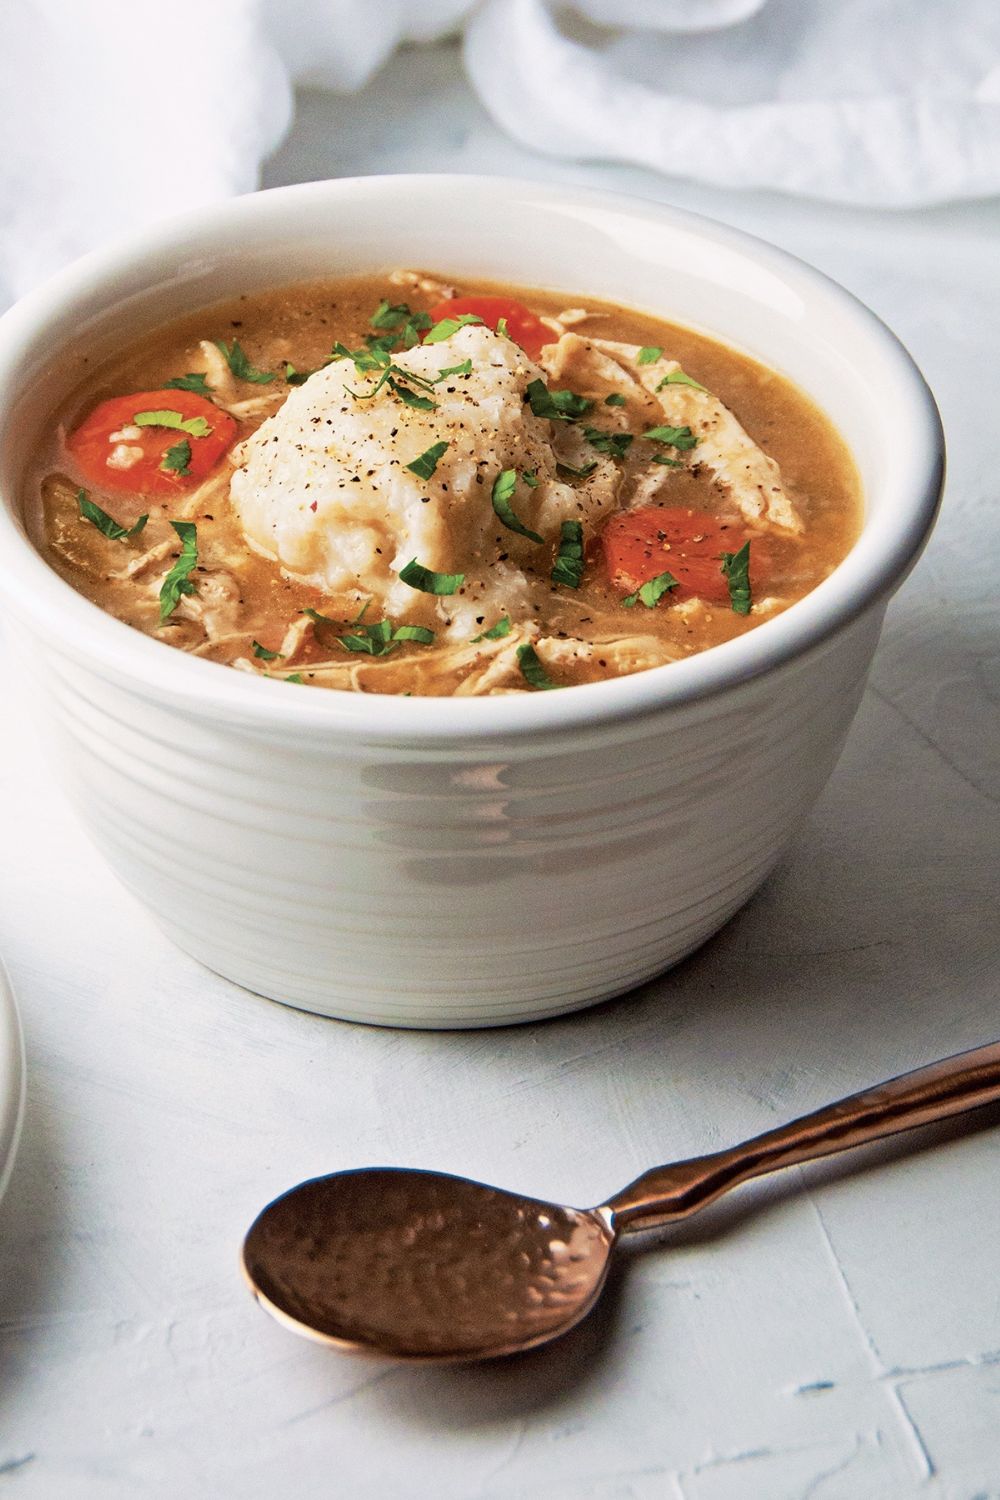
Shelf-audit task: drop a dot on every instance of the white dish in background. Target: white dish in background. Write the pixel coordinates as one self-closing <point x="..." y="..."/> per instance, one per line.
<point x="464" y="861"/>
<point x="11" y="1079"/>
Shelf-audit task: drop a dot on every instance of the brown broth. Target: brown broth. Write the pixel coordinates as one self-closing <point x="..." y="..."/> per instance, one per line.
<point x="300" y="324"/>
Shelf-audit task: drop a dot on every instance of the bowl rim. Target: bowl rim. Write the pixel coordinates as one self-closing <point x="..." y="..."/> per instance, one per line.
<point x="874" y="567"/>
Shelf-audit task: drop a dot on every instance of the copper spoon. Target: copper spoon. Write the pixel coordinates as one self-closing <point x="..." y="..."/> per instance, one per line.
<point x="420" y="1265"/>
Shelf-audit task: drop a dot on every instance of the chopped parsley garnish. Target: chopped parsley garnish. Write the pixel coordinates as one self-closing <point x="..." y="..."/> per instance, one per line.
<point x="194" y="426"/>
<point x="425" y="463"/>
<point x="558" y="406"/>
<point x="530" y="477"/>
<point x="673" y="437"/>
<point x="677" y="377"/>
<point x="193" y="381"/>
<point x="495" y="633"/>
<point x="429" y="582"/>
<point x="263" y="654"/>
<point x="652" y="591"/>
<point x="568" y="568"/>
<point x="447" y="326"/>
<point x="239" y="364"/>
<point x="410" y="398"/>
<point x="379" y="638"/>
<point x="648" y="355"/>
<point x="177" y="459"/>
<point x="404" y="326"/>
<point x="465" y="368"/>
<point x="294" y="376"/>
<point x="531" y="668"/>
<point x="502" y="328"/>
<point x="107" y="525"/>
<point x="391" y="315"/>
<point x="671" y="463"/>
<point x="398" y="380"/>
<point x="178" y="581"/>
<point x="364" y="360"/>
<point x="503" y="490"/>
<point x="615" y="399"/>
<point x="375" y="639"/>
<point x="416" y="324"/>
<point x="295" y="677"/>
<point x="383" y="343"/>
<point x="324" y="620"/>
<point x="567" y="471"/>
<point x="615" y="443"/>
<point x="736" y="571"/>
<point x="413" y="633"/>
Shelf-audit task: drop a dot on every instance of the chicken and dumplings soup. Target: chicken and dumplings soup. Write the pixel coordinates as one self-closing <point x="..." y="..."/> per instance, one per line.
<point x="399" y="484"/>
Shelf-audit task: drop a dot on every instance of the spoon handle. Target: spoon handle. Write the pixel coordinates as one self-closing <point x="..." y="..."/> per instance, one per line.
<point x="944" y="1088"/>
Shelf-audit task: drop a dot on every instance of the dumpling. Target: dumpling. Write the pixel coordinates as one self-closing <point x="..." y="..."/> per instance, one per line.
<point x="325" y="488"/>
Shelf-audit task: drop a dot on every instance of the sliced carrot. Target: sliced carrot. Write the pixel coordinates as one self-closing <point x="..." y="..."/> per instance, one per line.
<point x="640" y="544"/>
<point x="112" y="451"/>
<point x="522" y="324"/>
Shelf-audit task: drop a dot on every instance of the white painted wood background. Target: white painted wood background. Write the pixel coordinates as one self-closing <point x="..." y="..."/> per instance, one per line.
<point x="832" y="1333"/>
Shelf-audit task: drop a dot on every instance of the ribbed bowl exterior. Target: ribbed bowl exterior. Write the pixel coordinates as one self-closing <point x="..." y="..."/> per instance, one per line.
<point x="462" y="885"/>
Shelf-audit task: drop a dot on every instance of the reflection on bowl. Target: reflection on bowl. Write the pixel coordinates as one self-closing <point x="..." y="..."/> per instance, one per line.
<point x="463" y="861"/>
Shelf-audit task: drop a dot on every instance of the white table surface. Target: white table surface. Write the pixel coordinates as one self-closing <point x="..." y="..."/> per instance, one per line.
<point x="832" y="1333"/>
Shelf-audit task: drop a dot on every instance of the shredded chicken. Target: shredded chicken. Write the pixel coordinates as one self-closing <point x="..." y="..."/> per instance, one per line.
<point x="214" y="488"/>
<point x="485" y="666"/>
<point x="751" y="478"/>
<point x="215" y="643"/>
<point x="295" y="637"/>
<point x="218" y="375"/>
<point x="151" y="558"/>
<point x="215" y="603"/>
<point x="628" y="653"/>
<point x="569" y="317"/>
<point x="226" y="388"/>
<point x="418" y="282"/>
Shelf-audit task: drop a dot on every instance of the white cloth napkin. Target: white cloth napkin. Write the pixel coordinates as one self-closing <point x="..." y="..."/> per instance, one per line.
<point x="121" y="111"/>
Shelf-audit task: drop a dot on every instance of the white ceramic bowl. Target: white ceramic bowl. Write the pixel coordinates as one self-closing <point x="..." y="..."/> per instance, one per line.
<point x="461" y="862"/>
